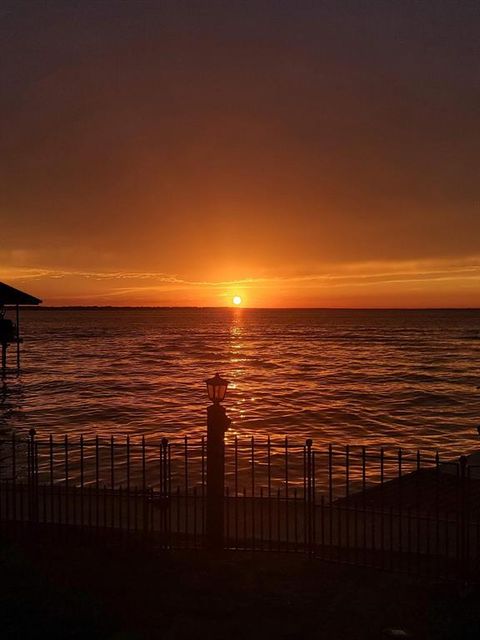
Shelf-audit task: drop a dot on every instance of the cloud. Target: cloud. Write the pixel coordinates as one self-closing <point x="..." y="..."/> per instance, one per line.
<point x="348" y="280"/>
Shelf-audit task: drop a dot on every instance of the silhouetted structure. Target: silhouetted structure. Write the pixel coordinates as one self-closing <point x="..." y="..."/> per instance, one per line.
<point x="10" y="332"/>
<point x="217" y="424"/>
<point x="391" y="509"/>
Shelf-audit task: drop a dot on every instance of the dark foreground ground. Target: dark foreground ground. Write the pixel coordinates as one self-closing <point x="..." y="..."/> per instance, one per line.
<point x="71" y="589"/>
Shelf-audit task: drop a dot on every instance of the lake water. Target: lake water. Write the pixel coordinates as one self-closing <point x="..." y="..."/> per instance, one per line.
<point x="393" y="378"/>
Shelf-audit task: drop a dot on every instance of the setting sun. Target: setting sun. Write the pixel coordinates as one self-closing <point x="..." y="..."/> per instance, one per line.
<point x="237" y="300"/>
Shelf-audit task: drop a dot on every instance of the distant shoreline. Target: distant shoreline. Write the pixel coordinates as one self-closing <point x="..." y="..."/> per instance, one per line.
<point x="238" y="309"/>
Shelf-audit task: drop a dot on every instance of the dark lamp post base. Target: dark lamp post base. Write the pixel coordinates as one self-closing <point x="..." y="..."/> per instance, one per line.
<point x="217" y="423"/>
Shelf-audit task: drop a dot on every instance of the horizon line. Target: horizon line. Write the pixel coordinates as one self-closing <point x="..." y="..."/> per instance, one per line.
<point x="200" y="307"/>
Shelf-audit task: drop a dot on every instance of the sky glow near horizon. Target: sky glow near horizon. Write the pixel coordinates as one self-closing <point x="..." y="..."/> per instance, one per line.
<point x="289" y="153"/>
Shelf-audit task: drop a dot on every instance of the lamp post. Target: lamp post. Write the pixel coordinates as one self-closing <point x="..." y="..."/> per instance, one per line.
<point x="217" y="423"/>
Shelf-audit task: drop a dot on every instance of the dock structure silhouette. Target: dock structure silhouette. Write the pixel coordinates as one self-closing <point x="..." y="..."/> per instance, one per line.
<point x="11" y="298"/>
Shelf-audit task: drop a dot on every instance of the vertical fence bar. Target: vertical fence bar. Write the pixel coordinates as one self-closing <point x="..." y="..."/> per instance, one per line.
<point x="144" y="487"/>
<point x="129" y="497"/>
<point x="467" y="524"/>
<point x="279" y="530"/>
<point x="8" y="498"/>
<point x="14" y="477"/>
<point x="347" y="501"/>
<point x="235" y="480"/>
<point x="269" y="490"/>
<point x="355" y="529"/>
<point x="261" y="520"/>
<point x="310" y="505"/>
<point x="164" y="497"/>
<point x="253" y="491"/>
<point x="400" y="507"/>
<point x="295" y="515"/>
<point x="50" y="457"/>
<point x="322" y="527"/>
<point x="144" y="463"/>
<point x="177" y="496"/>
<point x="160" y="478"/>
<point x="36" y="463"/>
<point x="373" y="536"/>
<point x="462" y="521"/>
<point x="203" y="483"/>
<point x="97" y="462"/>
<point x="287" y="518"/>
<point x="477" y="536"/>
<point x="74" y="503"/>
<point x="135" y="509"/>
<point x="186" y="484"/>
<point x="195" y="517"/>
<point x="22" y="493"/>
<point x="97" y="484"/>
<point x="418" y="521"/>
<point x="245" y="537"/>
<point x="58" y="499"/>
<point x="228" y="543"/>
<point x="437" y="499"/>
<point x="120" y="510"/>
<point x="330" y="495"/>
<point x="112" y="481"/>
<point x="82" y="481"/>
<point x="151" y="511"/>
<point x="2" y="496"/>
<point x="169" y="469"/>
<point x="382" y="509"/>
<point x="112" y="463"/>
<point x="87" y="516"/>
<point x="67" y="471"/>
<point x="314" y="506"/>
<point x="31" y="475"/>
<point x="364" y="503"/>
<point x="305" y="498"/>
<point x="104" y="505"/>
<point x="36" y="481"/>
<point x="44" y="499"/>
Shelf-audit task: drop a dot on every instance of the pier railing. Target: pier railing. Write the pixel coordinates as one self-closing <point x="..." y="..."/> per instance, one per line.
<point x="393" y="509"/>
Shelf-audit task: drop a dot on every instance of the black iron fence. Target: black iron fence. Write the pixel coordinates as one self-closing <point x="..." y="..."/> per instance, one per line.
<point x="392" y="509"/>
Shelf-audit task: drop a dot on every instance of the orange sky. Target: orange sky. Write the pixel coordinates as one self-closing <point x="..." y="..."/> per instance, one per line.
<point x="296" y="154"/>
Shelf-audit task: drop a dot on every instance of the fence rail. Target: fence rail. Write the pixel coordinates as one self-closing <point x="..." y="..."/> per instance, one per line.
<point x="393" y="509"/>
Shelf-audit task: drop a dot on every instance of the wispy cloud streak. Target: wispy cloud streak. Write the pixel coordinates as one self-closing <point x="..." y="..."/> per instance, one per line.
<point x="350" y="276"/>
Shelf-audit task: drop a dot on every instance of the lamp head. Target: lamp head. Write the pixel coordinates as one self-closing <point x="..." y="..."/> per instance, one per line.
<point x="216" y="388"/>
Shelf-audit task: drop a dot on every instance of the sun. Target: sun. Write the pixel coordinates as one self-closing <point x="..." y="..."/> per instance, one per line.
<point x="237" y="300"/>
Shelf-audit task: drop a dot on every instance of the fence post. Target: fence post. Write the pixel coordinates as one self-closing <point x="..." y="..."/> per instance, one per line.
<point x="309" y="496"/>
<point x="32" y="477"/>
<point x="164" y="491"/>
